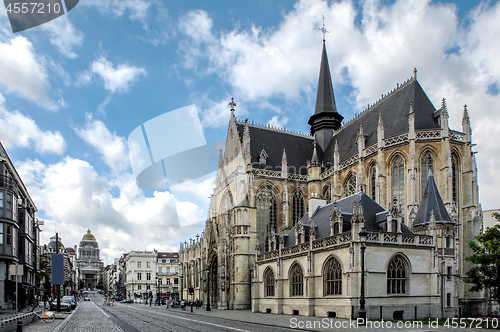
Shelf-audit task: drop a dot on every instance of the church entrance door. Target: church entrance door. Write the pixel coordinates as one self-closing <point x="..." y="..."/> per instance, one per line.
<point x="214" y="289"/>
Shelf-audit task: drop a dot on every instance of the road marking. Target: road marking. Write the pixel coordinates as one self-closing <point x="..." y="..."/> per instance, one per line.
<point x="194" y="320"/>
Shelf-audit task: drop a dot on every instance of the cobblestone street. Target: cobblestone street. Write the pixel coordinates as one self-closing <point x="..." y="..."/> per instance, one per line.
<point x="92" y="316"/>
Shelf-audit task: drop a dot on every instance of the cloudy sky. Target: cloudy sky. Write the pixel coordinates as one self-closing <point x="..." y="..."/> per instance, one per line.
<point x="74" y="89"/>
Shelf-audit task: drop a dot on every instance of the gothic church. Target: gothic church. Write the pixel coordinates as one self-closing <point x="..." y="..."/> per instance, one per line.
<point x="282" y="231"/>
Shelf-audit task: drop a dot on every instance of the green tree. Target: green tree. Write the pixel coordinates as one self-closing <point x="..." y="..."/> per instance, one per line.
<point x="42" y="276"/>
<point x="486" y="260"/>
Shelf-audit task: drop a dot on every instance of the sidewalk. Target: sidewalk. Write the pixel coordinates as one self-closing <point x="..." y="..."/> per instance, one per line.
<point x="302" y="323"/>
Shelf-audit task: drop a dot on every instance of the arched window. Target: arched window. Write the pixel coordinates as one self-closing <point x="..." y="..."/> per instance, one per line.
<point x="398" y="181"/>
<point x="266" y="215"/>
<point x="454" y="177"/>
<point x="426" y="165"/>
<point x="327" y="195"/>
<point x="269" y="282"/>
<point x="297" y="280"/>
<point x="298" y="206"/>
<point x="350" y="185"/>
<point x="332" y="277"/>
<point x="373" y="181"/>
<point x="397" y="276"/>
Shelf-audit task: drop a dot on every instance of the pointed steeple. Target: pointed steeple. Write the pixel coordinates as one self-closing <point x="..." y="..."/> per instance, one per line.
<point x="325" y="99"/>
<point x="325" y="119"/>
<point x="466" y="128"/>
<point x="431" y="204"/>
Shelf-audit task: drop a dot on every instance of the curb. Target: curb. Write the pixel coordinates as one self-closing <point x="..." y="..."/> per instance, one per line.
<point x="63" y="324"/>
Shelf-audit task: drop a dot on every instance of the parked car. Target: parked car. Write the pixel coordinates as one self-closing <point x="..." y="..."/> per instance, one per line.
<point x="127" y="301"/>
<point x="65" y="306"/>
<point x="86" y="298"/>
<point x="71" y="300"/>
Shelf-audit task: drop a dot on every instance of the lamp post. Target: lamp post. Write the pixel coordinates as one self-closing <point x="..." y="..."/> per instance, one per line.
<point x="157" y="290"/>
<point x="208" y="289"/>
<point x="182" y="289"/>
<point x="362" y="312"/>
<point x="133" y="294"/>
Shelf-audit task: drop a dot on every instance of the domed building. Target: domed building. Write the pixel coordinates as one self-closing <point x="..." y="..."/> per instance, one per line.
<point x="89" y="262"/>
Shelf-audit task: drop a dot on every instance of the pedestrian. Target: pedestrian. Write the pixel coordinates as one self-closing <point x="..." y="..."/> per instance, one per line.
<point x="197" y="304"/>
<point x="45" y="300"/>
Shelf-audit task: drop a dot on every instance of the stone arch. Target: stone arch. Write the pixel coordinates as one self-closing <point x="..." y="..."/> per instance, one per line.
<point x="296" y="279"/>
<point x="269" y="279"/>
<point x="349" y="184"/>
<point x="332" y="286"/>
<point x="398" y="271"/>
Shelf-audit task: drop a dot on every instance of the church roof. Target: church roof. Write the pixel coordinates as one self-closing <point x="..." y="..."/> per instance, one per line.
<point x="431" y="201"/>
<point x="373" y="214"/>
<point x="88" y="236"/>
<point x="299" y="148"/>
<point x="394" y="109"/>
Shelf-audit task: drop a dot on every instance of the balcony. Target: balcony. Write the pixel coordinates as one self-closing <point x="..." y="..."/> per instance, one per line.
<point x="8" y="183"/>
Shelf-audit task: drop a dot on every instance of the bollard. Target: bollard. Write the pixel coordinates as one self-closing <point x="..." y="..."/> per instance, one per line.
<point x="191" y="306"/>
<point x="19" y="326"/>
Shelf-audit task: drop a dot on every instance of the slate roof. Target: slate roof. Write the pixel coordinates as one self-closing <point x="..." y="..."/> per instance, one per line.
<point x="299" y="149"/>
<point x="431" y="200"/>
<point x="372" y="212"/>
<point x="394" y="110"/>
<point x="170" y="255"/>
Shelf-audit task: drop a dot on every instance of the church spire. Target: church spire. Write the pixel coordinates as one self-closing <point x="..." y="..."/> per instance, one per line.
<point x="325" y="119"/>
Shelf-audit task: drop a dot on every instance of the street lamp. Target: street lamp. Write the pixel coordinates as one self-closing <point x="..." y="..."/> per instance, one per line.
<point x="157" y="290"/>
<point x="133" y="294"/>
<point x="208" y="289"/>
<point x="362" y="312"/>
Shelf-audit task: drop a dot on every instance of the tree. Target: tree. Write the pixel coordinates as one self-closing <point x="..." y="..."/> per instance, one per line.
<point x="42" y="276"/>
<point x="486" y="260"/>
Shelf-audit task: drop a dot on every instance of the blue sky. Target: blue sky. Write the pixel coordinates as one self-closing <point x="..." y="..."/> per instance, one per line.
<point x="72" y="91"/>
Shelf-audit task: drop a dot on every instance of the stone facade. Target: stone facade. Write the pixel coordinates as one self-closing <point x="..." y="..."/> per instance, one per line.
<point x="271" y="179"/>
<point x="89" y="261"/>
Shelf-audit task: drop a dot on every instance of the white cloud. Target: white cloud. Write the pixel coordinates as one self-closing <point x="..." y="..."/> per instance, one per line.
<point x="18" y="130"/>
<point x="111" y="147"/>
<point x="277" y="122"/>
<point x="22" y="72"/>
<point x="136" y="9"/>
<point x="64" y="36"/>
<point x="71" y="196"/>
<point x="119" y="79"/>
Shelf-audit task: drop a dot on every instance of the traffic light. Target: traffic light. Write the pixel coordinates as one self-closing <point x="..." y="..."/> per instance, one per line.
<point x="150" y="294"/>
<point x="191" y="291"/>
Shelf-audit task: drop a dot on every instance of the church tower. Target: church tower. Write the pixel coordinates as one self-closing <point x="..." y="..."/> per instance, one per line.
<point x="325" y="119"/>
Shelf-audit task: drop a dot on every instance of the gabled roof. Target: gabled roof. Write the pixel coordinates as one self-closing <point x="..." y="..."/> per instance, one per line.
<point x="394" y="110"/>
<point x="321" y="216"/>
<point x="431" y="201"/>
<point x="299" y="148"/>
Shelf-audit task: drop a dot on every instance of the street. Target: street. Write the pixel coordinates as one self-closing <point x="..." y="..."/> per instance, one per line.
<point x="92" y="316"/>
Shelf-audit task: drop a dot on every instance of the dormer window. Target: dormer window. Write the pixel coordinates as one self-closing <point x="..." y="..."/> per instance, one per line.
<point x="263" y="157"/>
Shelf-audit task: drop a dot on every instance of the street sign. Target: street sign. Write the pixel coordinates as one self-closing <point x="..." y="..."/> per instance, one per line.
<point x="20" y="270"/>
<point x="57" y="267"/>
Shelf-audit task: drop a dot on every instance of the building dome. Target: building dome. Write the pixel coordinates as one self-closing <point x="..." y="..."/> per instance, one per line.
<point x="89" y="236"/>
<point x="52" y="244"/>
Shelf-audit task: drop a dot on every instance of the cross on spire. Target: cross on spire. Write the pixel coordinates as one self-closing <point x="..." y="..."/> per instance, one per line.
<point x="323" y="29"/>
<point x="232" y="104"/>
